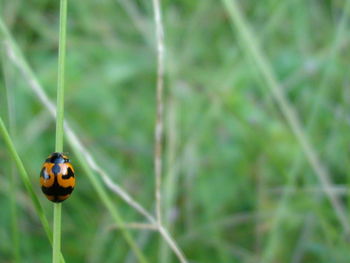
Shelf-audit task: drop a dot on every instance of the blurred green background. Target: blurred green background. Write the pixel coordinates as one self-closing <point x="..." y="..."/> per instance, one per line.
<point x="237" y="184"/>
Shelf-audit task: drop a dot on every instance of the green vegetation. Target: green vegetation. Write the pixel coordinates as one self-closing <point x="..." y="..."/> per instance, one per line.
<point x="256" y="131"/>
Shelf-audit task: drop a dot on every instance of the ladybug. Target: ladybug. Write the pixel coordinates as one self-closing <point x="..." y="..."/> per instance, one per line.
<point x="57" y="177"/>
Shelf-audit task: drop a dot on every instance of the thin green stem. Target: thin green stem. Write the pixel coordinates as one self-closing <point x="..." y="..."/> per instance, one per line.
<point x="56" y="248"/>
<point x="56" y="233"/>
<point x="60" y="81"/>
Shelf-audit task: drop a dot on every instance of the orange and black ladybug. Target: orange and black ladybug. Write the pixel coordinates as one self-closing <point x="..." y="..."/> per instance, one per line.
<point x="57" y="177"/>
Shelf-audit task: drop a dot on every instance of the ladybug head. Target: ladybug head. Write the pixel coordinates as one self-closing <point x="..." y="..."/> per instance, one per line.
<point x="57" y="157"/>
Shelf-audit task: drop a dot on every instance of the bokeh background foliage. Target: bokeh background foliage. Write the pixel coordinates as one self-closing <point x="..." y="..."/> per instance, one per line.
<point x="237" y="185"/>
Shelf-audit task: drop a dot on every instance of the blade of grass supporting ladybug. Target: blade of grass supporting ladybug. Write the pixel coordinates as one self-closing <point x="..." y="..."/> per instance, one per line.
<point x="253" y="50"/>
<point x="56" y="248"/>
<point x="26" y="181"/>
<point x="12" y="174"/>
<point x="106" y="200"/>
<point x="60" y="79"/>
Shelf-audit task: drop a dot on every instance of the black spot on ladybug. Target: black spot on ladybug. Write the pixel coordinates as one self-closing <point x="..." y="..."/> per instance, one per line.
<point x="42" y="172"/>
<point x="56" y="189"/>
<point x="69" y="174"/>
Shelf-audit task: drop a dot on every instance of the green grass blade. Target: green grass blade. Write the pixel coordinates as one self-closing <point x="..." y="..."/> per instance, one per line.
<point x="59" y="123"/>
<point x="56" y="232"/>
<point x="60" y="81"/>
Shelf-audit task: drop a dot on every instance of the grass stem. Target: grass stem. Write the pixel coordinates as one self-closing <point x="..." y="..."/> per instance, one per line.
<point x="56" y="232"/>
<point x="59" y="123"/>
<point x="60" y="81"/>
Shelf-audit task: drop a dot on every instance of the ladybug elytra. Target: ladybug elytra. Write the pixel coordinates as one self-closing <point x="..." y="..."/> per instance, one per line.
<point x="57" y="177"/>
